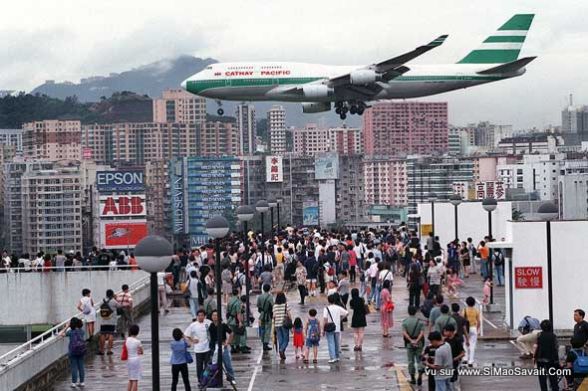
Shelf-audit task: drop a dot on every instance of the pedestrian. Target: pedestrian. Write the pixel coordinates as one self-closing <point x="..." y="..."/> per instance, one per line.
<point x="193" y="290"/>
<point x="76" y="351"/>
<point x="443" y="364"/>
<point x="332" y="316"/>
<point x="487" y="290"/>
<point x="546" y="356"/>
<point x="472" y="254"/>
<point x="60" y="261"/>
<point x="135" y="351"/>
<point x="223" y="331"/>
<point x="386" y="309"/>
<point x="227" y="282"/>
<point x="280" y="314"/>
<point x="413" y="331"/>
<point x="343" y="288"/>
<point x="198" y="335"/>
<point x="265" y="304"/>
<point x="484" y="253"/>
<point x="574" y="363"/>
<point x="427" y="359"/>
<point x="352" y="263"/>
<point x="180" y="358"/>
<point x="498" y="260"/>
<point x="125" y="301"/>
<point x="444" y="319"/>
<point x="108" y="313"/>
<point x="415" y="281"/>
<point x="358" y="320"/>
<point x="133" y="262"/>
<point x="581" y="326"/>
<point x="472" y="315"/>
<point x="301" y="276"/>
<point x="86" y="307"/>
<point x="453" y="284"/>
<point x="162" y="292"/>
<point x="529" y="328"/>
<point x="236" y="323"/>
<point x="457" y="350"/>
<point x="312" y="330"/>
<point x="434" y="274"/>
<point x="266" y="277"/>
<point x="298" y="338"/>
<point x="465" y="260"/>
<point x="461" y="328"/>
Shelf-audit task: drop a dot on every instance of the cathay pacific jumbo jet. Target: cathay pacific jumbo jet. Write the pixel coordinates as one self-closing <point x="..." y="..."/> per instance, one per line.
<point x="351" y="88"/>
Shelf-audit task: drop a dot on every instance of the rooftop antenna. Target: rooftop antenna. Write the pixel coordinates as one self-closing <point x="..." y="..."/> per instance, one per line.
<point x="571" y="100"/>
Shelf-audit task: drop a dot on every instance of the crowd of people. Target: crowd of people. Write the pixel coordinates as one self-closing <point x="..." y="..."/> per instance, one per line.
<point x="353" y="271"/>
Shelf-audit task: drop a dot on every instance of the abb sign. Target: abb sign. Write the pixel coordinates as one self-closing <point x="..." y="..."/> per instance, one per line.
<point x="529" y="277"/>
<point x="122" y="206"/>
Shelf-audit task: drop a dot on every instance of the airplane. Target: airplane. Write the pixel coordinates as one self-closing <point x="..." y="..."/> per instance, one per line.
<point x="351" y="88"/>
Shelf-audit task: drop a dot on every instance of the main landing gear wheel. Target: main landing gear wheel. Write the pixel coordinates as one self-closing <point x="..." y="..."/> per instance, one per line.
<point x="338" y="110"/>
<point x="353" y="110"/>
<point x="343" y="116"/>
<point x="220" y="111"/>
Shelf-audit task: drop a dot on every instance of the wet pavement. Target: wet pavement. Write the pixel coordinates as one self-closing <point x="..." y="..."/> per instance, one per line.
<point x="381" y="365"/>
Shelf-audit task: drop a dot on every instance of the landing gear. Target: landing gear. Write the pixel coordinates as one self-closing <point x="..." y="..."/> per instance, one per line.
<point x="351" y="107"/>
<point x="220" y="110"/>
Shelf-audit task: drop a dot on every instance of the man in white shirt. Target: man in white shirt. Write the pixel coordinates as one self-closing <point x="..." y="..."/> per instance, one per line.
<point x="197" y="333"/>
<point x="333" y="314"/>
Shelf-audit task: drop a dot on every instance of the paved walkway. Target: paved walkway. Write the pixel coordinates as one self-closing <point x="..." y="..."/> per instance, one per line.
<point x="381" y="365"/>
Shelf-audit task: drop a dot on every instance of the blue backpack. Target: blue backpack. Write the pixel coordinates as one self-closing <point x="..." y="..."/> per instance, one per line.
<point x="580" y="366"/>
<point x="313" y="331"/>
<point x="209" y="375"/>
<point x="77" y="345"/>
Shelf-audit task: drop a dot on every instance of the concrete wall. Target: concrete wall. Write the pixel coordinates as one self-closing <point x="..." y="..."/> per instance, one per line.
<point x="569" y="270"/>
<point x="472" y="220"/>
<point x="36" y="369"/>
<point x="36" y="298"/>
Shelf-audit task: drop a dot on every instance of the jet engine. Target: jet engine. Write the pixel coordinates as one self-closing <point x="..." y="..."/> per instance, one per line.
<point x="317" y="91"/>
<point x="364" y="76"/>
<point x="316" y="107"/>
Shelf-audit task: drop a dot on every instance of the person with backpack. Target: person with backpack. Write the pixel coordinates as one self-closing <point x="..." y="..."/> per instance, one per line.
<point x="282" y="323"/>
<point x="547" y="356"/>
<point x="498" y="259"/>
<point x="413" y="331"/>
<point x="577" y="361"/>
<point x="312" y="330"/>
<point x="529" y="328"/>
<point x="108" y="313"/>
<point x="415" y="281"/>
<point x="358" y="320"/>
<point x="76" y="350"/>
<point x="332" y="315"/>
<point x="236" y="323"/>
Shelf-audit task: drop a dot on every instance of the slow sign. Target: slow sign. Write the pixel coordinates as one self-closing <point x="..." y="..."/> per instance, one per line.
<point x="529" y="277"/>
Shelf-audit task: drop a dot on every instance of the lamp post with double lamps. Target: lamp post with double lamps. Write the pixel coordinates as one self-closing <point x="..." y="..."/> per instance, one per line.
<point x="548" y="211"/>
<point x="489" y="205"/>
<point x="153" y="255"/>
<point x="432" y="198"/>
<point x="244" y="214"/>
<point x="218" y="227"/>
<point x="455" y="200"/>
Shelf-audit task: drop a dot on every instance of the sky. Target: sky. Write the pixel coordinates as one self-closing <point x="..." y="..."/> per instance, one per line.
<point x="72" y="39"/>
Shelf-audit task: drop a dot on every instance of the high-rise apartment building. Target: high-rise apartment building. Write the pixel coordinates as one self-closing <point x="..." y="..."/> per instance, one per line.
<point x="311" y="140"/>
<point x="179" y="106"/>
<point x="276" y="129"/>
<point x="219" y="139"/>
<point x="52" y="140"/>
<point x="12" y="137"/>
<point x="385" y="181"/>
<point x="404" y="128"/>
<point x="247" y="127"/>
<point x="345" y="141"/>
<point x="157" y="187"/>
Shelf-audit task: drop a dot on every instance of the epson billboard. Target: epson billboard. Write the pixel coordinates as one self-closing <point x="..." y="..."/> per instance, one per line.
<point x="119" y="181"/>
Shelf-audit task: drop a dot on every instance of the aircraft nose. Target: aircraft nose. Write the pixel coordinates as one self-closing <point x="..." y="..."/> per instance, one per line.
<point x="184" y="84"/>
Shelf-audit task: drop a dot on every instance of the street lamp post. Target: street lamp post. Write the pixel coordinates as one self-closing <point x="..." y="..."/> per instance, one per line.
<point x="489" y="205"/>
<point x="432" y="197"/>
<point x="262" y="207"/>
<point x="218" y="227"/>
<point x="548" y="211"/>
<point x="153" y="255"/>
<point x="455" y="200"/>
<point x="244" y="214"/>
<point x="272" y="204"/>
<point x="279" y="200"/>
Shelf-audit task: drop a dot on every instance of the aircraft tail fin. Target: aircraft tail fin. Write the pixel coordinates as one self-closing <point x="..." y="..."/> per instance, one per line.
<point x="504" y="45"/>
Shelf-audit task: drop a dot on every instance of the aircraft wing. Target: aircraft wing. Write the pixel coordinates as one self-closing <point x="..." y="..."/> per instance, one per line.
<point x="391" y="68"/>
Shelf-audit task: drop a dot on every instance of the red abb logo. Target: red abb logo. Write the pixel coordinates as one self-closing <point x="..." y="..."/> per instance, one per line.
<point x="123" y="205"/>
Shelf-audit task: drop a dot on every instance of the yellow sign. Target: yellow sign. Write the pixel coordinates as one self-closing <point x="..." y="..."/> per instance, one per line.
<point x="426" y="228"/>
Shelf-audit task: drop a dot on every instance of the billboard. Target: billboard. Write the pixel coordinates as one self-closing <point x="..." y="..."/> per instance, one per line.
<point x="123" y="234"/>
<point x="121" y="181"/>
<point x="490" y="189"/>
<point x="274" y="169"/>
<point x="122" y="205"/>
<point x="177" y="194"/>
<point x="529" y="277"/>
<point x="310" y="213"/>
<point x="326" y="166"/>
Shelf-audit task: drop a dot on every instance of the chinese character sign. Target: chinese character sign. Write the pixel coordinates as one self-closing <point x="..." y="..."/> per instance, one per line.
<point x="490" y="189"/>
<point x="461" y="189"/>
<point x="529" y="277"/>
<point x="274" y="169"/>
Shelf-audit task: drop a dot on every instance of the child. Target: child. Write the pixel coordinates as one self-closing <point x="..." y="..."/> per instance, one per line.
<point x="453" y="282"/>
<point x="298" y="338"/>
<point x="486" y="290"/>
<point x="180" y="358"/>
<point x="313" y="336"/>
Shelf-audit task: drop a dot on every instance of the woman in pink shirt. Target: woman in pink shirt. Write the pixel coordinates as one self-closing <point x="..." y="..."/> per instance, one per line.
<point x="386" y="309"/>
<point x="352" y="263"/>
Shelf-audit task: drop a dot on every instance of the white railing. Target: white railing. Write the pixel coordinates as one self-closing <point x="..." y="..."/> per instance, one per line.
<point x="48" y="336"/>
<point x="57" y="269"/>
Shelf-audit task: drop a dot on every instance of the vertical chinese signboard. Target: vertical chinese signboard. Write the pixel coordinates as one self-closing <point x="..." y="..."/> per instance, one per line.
<point x="529" y="277"/>
<point x="274" y="169"/>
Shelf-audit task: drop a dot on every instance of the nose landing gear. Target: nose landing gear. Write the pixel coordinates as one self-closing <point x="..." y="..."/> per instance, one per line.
<point x="220" y="110"/>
